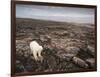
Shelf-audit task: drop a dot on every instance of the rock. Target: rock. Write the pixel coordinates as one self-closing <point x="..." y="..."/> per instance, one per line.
<point x="20" y="42"/>
<point x="48" y="50"/>
<point x="72" y="50"/>
<point x="72" y="35"/>
<point x="42" y="38"/>
<point x="91" y="62"/>
<point x="64" y="47"/>
<point x="65" y="56"/>
<point x="20" y="68"/>
<point x="22" y="48"/>
<point x="26" y="54"/>
<point x="50" y="62"/>
<point x="64" y="33"/>
<point x="91" y="51"/>
<point x="19" y="52"/>
<point x="47" y="37"/>
<point x="29" y="67"/>
<point x="17" y="61"/>
<point x="80" y="62"/>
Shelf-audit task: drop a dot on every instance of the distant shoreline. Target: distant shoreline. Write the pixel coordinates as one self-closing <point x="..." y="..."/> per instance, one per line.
<point x="79" y="23"/>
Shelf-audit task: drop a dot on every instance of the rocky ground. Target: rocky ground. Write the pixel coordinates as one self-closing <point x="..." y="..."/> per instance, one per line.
<point x="72" y="46"/>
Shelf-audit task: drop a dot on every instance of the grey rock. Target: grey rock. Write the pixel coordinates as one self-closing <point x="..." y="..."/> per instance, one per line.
<point x="91" y="62"/>
<point x="91" y="50"/>
<point x="22" y="48"/>
<point x="80" y="62"/>
<point x="17" y="61"/>
<point x="65" y="56"/>
<point x="43" y="39"/>
<point x="72" y="50"/>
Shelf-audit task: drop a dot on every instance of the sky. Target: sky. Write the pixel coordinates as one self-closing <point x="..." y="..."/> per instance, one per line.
<point x="61" y="14"/>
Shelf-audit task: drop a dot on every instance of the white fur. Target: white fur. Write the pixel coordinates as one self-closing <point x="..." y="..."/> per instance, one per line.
<point x="36" y="50"/>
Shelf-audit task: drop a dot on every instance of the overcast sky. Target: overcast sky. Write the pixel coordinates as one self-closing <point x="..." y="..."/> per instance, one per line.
<point x="64" y="14"/>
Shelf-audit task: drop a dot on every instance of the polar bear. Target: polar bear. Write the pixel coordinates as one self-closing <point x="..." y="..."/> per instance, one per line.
<point x="36" y="50"/>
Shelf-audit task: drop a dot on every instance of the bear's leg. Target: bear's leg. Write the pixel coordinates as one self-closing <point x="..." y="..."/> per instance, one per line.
<point x="40" y="56"/>
<point x="35" y="54"/>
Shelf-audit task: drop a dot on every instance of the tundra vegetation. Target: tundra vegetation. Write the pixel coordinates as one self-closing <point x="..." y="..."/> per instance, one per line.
<point x="66" y="46"/>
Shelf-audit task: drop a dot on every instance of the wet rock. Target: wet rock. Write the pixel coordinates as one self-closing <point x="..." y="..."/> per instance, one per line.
<point x="80" y="62"/>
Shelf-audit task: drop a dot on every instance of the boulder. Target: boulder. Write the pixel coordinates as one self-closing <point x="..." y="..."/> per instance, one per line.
<point x="91" y="51"/>
<point x="72" y="50"/>
<point x="80" y="62"/>
<point x="65" y="56"/>
<point x="91" y="62"/>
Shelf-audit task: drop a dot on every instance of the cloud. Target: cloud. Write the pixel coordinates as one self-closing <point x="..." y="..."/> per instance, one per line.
<point x="55" y="13"/>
